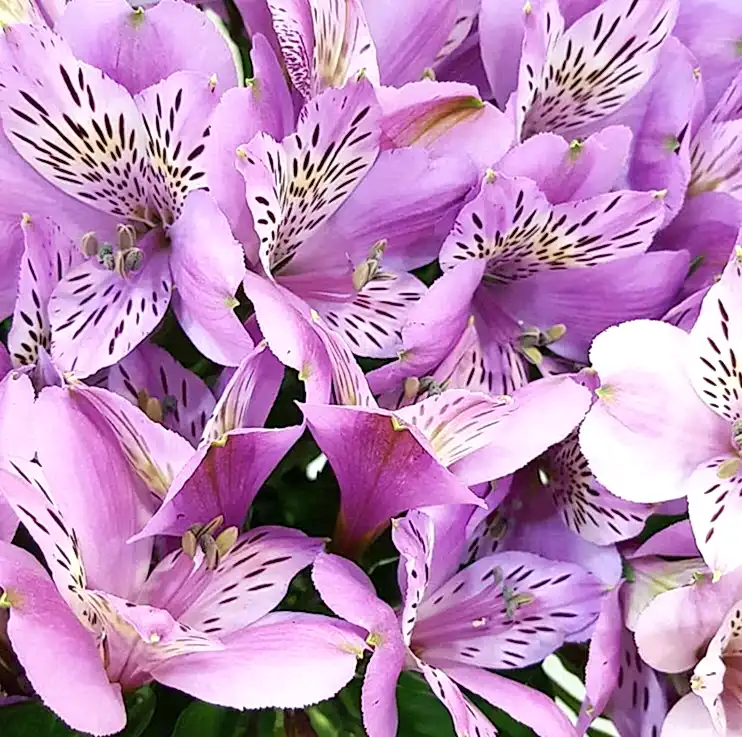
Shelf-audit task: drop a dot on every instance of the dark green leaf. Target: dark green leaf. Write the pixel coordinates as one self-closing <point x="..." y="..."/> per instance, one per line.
<point x="207" y="720"/>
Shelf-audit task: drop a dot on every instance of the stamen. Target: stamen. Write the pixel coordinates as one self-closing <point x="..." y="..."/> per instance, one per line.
<point x="367" y="270"/>
<point x="728" y="469"/>
<point x="226" y="540"/>
<point x="151" y="406"/>
<point x="4" y="600"/>
<point x="189" y="543"/>
<point x="105" y="256"/>
<point x="89" y="245"/>
<point x="411" y="387"/>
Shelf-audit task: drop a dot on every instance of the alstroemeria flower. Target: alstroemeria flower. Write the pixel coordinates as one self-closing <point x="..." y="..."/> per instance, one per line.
<point x="137" y="159"/>
<point x="666" y="423"/>
<point x="199" y="621"/>
<point x="504" y="611"/>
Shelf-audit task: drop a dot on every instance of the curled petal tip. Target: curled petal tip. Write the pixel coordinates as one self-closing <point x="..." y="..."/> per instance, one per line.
<point x="25" y="219"/>
<point x="489" y="176"/>
<point x="716" y="577"/>
<point x="231" y="302"/>
<point x="213" y="80"/>
<point x="528" y="8"/>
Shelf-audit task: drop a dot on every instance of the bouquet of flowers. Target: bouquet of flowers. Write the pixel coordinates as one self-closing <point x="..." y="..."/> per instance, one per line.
<point x="371" y="367"/>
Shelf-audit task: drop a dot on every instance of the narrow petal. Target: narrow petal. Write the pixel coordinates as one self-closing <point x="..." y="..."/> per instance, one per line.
<point x="328" y="154"/>
<point x="48" y="83"/>
<point x="540" y="415"/>
<point x="661" y="158"/>
<point x="48" y="255"/>
<point x="206" y="278"/>
<point x="10" y="262"/>
<point x="528" y="706"/>
<point x="41" y="622"/>
<point x="16" y="405"/>
<point x="377" y="460"/>
<point x="222" y="479"/>
<point x="251" y="580"/>
<point x="619" y="47"/>
<point x="587" y="508"/>
<point x="266" y="665"/>
<point x="567" y="171"/>
<point x="249" y="394"/>
<point x="79" y="455"/>
<point x="286" y="324"/>
<point x="572" y="234"/>
<point x="97" y="316"/>
<point x="713" y="507"/>
<point x="138" y="48"/>
<point x="588" y="301"/>
<point x="150" y="372"/>
<point x="712" y="363"/>
<point x="647" y="411"/>
<point x="409" y="37"/>
<point x="372" y="322"/>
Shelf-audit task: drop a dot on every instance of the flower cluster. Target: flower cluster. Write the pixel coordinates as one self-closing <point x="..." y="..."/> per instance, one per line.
<point x="301" y="291"/>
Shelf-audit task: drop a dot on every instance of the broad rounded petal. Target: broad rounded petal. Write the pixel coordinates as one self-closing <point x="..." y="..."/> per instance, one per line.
<point x="80" y="456"/>
<point x="541" y="414"/>
<point x="255" y="575"/>
<point x="675" y="541"/>
<point x="714" y="506"/>
<point x="712" y="362"/>
<point x="688" y="718"/>
<point x="378" y="461"/>
<point x="677" y="624"/>
<point x="208" y="265"/>
<point x="530" y="707"/>
<point x="571" y="171"/>
<point x="16" y="405"/>
<point x="647" y="411"/>
<point x="41" y="622"/>
<point x="286" y="661"/>
<point x="140" y="47"/>
<point x="222" y="479"/>
<point x="588" y="301"/>
<point x="97" y="316"/>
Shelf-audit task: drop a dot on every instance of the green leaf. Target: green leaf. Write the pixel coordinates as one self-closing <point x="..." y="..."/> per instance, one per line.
<point x="140" y="706"/>
<point x="421" y="714"/>
<point x="207" y="720"/>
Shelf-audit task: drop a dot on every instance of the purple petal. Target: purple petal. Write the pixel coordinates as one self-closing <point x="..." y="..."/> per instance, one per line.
<point x="528" y="706"/>
<point x="571" y="171"/>
<point x="47" y="258"/>
<point x="239" y="116"/>
<point x="661" y="157"/>
<point x="79" y="455"/>
<point x="541" y="414"/>
<point x="150" y="372"/>
<point x="265" y="665"/>
<point x="97" y="316"/>
<point x="206" y="279"/>
<point x="248" y="396"/>
<point x="611" y="69"/>
<point x="568" y="235"/>
<point x="276" y="174"/>
<point x="50" y="83"/>
<point x="324" y="44"/>
<point x="41" y="622"/>
<point x="250" y="581"/>
<point x="372" y="322"/>
<point x="588" y="301"/>
<point x="377" y="461"/>
<point x="138" y="48"/>
<point x="286" y="324"/>
<point x="409" y="37"/>
<point x="222" y="480"/>
<point x="11" y="257"/>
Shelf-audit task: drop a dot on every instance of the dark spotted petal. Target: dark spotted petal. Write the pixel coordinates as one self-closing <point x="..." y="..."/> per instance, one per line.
<point x="74" y="125"/>
<point x="251" y="580"/>
<point x="49" y="255"/>
<point x="586" y="507"/>
<point x="293" y="187"/>
<point x="176" y="115"/>
<point x="372" y="323"/>
<point x="571" y="79"/>
<point x="292" y="22"/>
<point x="507" y="610"/>
<point x="714" y="368"/>
<point x="185" y="400"/>
<point x="97" y="316"/>
<point x="512" y="226"/>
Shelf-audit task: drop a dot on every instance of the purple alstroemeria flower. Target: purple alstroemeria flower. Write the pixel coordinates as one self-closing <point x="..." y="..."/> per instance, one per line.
<point x="135" y="159"/>
<point x="666" y="421"/>
<point x="504" y="611"/>
<point x="199" y="621"/>
<point x="619" y="683"/>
